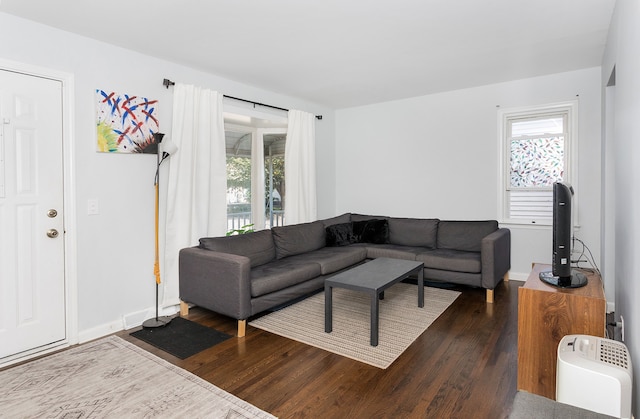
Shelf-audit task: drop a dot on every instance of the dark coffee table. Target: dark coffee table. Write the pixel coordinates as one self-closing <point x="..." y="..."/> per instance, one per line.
<point x="373" y="278"/>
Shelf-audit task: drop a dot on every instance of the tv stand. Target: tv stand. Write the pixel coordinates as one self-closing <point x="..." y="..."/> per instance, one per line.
<point x="545" y="315"/>
<point x="575" y="280"/>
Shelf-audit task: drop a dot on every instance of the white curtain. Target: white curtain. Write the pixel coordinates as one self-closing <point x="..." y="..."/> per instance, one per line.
<point x="197" y="180"/>
<point x="300" y="204"/>
<point x="257" y="180"/>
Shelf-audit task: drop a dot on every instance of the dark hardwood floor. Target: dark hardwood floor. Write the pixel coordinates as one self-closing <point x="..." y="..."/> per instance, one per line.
<point x="463" y="366"/>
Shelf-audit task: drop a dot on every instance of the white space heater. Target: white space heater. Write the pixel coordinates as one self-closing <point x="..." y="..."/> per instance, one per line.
<point x="595" y="374"/>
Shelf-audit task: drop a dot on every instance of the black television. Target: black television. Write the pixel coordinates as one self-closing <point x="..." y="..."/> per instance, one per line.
<point x="561" y="274"/>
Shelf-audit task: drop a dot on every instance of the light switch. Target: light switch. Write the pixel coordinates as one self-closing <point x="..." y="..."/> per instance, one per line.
<point x="92" y="207"/>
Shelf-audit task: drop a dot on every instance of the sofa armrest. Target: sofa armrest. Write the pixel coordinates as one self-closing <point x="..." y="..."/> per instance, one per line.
<point x="216" y="281"/>
<point x="496" y="257"/>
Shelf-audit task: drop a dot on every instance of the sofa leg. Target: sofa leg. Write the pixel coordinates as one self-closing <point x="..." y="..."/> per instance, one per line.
<point x="490" y="296"/>
<point x="242" y="328"/>
<point x="506" y="277"/>
<point x="184" y="309"/>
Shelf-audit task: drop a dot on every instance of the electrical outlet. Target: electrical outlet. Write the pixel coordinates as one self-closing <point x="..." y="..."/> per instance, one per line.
<point x="622" y="327"/>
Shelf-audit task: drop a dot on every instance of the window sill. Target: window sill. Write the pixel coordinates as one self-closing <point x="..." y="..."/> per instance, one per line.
<point x="525" y="224"/>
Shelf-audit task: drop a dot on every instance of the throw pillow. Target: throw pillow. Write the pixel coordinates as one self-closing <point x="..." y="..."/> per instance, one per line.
<point x="340" y="219"/>
<point x="371" y="231"/>
<point x="340" y="235"/>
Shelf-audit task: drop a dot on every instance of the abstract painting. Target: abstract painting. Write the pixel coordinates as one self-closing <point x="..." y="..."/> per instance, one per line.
<point x="125" y="123"/>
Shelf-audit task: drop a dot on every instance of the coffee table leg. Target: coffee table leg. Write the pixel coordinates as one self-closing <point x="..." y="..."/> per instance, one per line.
<point x="328" y="308"/>
<point x="375" y="307"/>
<point x="421" y="288"/>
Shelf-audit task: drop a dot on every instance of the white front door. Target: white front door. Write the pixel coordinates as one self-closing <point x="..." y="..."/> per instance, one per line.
<point x="32" y="277"/>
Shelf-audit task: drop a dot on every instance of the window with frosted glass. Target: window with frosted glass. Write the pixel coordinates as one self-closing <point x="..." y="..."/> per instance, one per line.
<point x="536" y="153"/>
<point x="536" y="145"/>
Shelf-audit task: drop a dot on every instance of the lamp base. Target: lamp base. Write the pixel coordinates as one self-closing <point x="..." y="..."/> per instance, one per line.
<point x="156" y="322"/>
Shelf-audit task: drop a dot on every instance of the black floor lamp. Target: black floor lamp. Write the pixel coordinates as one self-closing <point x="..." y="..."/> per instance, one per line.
<point x="162" y="320"/>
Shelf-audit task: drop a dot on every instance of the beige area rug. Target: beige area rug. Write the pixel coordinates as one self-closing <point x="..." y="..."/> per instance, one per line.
<point x="401" y="322"/>
<point x="111" y="378"/>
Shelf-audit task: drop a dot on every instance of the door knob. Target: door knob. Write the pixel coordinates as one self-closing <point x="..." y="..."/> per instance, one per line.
<point x="53" y="233"/>
<point x="52" y="213"/>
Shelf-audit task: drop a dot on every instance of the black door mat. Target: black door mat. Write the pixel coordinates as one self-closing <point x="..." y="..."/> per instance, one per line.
<point x="181" y="337"/>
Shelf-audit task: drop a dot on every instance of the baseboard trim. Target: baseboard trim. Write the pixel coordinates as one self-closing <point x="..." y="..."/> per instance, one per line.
<point x="100" y="331"/>
<point x="128" y="321"/>
<point x="518" y="276"/>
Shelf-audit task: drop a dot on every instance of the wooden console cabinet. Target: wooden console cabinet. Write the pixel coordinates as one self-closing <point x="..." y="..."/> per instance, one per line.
<point x="545" y="315"/>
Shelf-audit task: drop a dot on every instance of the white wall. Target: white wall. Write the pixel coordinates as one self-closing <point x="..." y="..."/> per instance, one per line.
<point x="438" y="156"/>
<point x="115" y="248"/>
<point x="622" y="52"/>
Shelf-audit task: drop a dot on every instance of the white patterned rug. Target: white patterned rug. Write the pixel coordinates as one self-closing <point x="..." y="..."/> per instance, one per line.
<point x="112" y="378"/>
<point x="401" y="322"/>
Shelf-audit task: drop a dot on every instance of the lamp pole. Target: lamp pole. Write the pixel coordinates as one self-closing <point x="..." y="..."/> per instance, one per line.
<point x="157" y="321"/>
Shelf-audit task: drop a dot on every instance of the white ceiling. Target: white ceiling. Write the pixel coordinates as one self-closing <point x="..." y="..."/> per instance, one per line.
<point x="343" y="53"/>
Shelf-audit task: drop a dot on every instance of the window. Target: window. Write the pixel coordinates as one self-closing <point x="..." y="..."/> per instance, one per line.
<point x="238" y="145"/>
<point x="255" y="198"/>
<point x="274" y="178"/>
<point x="536" y="144"/>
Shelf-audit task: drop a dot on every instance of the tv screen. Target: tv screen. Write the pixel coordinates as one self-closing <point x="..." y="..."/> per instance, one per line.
<point x="561" y="274"/>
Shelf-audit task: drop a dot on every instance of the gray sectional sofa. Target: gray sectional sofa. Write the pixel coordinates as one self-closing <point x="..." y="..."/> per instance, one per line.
<point x="243" y="275"/>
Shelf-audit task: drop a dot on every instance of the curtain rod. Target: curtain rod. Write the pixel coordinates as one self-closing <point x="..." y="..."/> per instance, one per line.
<point x="167" y="83"/>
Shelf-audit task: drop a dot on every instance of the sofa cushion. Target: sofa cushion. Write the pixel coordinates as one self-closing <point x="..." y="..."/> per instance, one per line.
<point x="298" y="238"/>
<point x="464" y="235"/>
<point x="340" y="235"/>
<point x="371" y="231"/>
<point x="281" y="273"/>
<point x="340" y="219"/>
<point x="393" y="251"/>
<point x="257" y="246"/>
<point x="451" y="260"/>
<point x="413" y="232"/>
<point x="332" y="259"/>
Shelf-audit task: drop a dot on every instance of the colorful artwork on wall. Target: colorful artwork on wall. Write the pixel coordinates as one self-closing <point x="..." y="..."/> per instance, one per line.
<point x="125" y="123"/>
